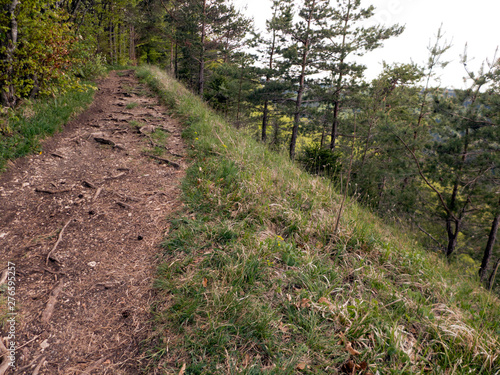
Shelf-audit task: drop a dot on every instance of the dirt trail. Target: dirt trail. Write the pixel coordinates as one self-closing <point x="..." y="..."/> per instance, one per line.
<point x="97" y="204"/>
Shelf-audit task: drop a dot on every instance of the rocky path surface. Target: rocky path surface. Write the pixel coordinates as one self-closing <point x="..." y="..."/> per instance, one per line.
<point x="82" y="223"/>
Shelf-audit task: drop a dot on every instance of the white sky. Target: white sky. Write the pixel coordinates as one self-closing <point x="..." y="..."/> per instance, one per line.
<point x="475" y="22"/>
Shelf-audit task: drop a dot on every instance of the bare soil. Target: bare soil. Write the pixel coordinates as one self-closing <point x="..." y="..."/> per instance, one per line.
<point x="82" y="222"/>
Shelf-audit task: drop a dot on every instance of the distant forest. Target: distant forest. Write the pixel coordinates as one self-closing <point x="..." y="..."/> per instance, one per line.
<point x="416" y="154"/>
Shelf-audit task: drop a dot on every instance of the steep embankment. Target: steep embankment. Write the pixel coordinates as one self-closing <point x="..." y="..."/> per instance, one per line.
<point x="80" y="225"/>
<point x="253" y="280"/>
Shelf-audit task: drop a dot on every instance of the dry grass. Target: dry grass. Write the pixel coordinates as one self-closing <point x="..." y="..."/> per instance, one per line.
<point x="256" y="283"/>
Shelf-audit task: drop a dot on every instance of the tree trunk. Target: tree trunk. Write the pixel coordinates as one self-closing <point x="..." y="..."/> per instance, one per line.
<point x="264" y="121"/>
<point x="8" y="93"/>
<point x="300" y="92"/>
<point x="489" y="245"/>
<point x="111" y="42"/>
<point x="452" y="229"/>
<point x="491" y="281"/>
<point x="115" y="44"/>
<point x="201" y="76"/>
<point x="176" y="65"/>
<point x="172" y="57"/>
<point x="335" y="122"/>
<point x="268" y="78"/>
<point x="338" y="89"/>
<point x="240" y="85"/>
<point x="131" y="53"/>
<point x="298" y="105"/>
<point x="456" y="221"/>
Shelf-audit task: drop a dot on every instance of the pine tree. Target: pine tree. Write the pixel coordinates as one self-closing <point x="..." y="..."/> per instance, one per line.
<point x="351" y="39"/>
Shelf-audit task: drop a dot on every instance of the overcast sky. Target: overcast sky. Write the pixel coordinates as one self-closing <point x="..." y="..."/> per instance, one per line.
<point x="475" y="22"/>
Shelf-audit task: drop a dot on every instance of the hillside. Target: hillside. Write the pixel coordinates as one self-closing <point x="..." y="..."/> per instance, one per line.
<point x="250" y="277"/>
<point x="253" y="280"/>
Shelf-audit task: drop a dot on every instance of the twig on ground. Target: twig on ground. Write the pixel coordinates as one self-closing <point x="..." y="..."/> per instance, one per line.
<point x="49" y="309"/>
<point x="115" y="177"/>
<point x="4" y="353"/>
<point x="28" y="342"/>
<point x="88" y="184"/>
<point x="104" y="141"/>
<point x="49" y="191"/>
<point x="172" y="163"/>
<point x="124" y="205"/>
<point x="94" y="365"/>
<point x="96" y="195"/>
<point x="57" y="242"/>
<point x="3" y="276"/>
<point x="39" y="366"/>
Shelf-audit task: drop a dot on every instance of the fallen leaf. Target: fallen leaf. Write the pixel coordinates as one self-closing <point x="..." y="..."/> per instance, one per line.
<point x="282" y="327"/>
<point x="183" y="369"/>
<point x="204" y="282"/>
<point x="305" y="302"/>
<point x="246" y="361"/>
<point x="351" y="350"/>
<point x="325" y="301"/>
<point x="301" y="366"/>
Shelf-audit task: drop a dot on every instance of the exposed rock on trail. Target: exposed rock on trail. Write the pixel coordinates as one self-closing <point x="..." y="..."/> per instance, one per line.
<point x="82" y="223"/>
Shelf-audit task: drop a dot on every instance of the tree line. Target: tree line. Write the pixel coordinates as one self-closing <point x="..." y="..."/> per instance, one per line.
<point x="413" y="151"/>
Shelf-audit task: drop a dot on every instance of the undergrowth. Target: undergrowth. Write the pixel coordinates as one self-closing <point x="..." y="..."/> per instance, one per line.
<point x="21" y="130"/>
<point x="252" y="281"/>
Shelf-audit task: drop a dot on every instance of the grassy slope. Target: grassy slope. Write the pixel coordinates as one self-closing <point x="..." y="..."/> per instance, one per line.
<point x="253" y="282"/>
<point x="22" y="131"/>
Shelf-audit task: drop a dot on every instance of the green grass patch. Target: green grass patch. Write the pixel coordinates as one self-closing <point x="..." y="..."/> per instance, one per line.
<point x="22" y="130"/>
<point x="131" y="105"/>
<point x="252" y="280"/>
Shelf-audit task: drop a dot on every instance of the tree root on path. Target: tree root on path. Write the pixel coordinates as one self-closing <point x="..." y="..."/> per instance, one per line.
<point x="49" y="191"/>
<point x="4" y="353"/>
<point x="39" y="366"/>
<point x="94" y="365"/>
<point x="57" y="242"/>
<point x="3" y="276"/>
<point x="49" y="309"/>
<point x="172" y="163"/>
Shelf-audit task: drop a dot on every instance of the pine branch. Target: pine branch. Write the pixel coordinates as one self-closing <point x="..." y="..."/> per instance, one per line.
<point x="421" y="173"/>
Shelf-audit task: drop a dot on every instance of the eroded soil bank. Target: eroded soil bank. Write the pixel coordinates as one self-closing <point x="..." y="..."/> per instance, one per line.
<point x="82" y="222"/>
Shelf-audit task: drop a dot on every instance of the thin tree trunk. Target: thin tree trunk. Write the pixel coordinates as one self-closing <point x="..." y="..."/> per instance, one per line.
<point x="489" y="245"/>
<point x="346" y="191"/>
<point x="265" y="116"/>
<point x="132" y="46"/>
<point x="335" y="122"/>
<point x="8" y="94"/>
<point x="120" y="43"/>
<point x="323" y="136"/>
<point x="172" y="57"/>
<point x="115" y="44"/>
<point x="491" y="281"/>
<point x="456" y="221"/>
<point x="201" y="77"/>
<point x="240" y="84"/>
<point x="338" y="89"/>
<point x="300" y="92"/>
<point x="111" y="42"/>
<point x="452" y="230"/>
<point x="268" y="78"/>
